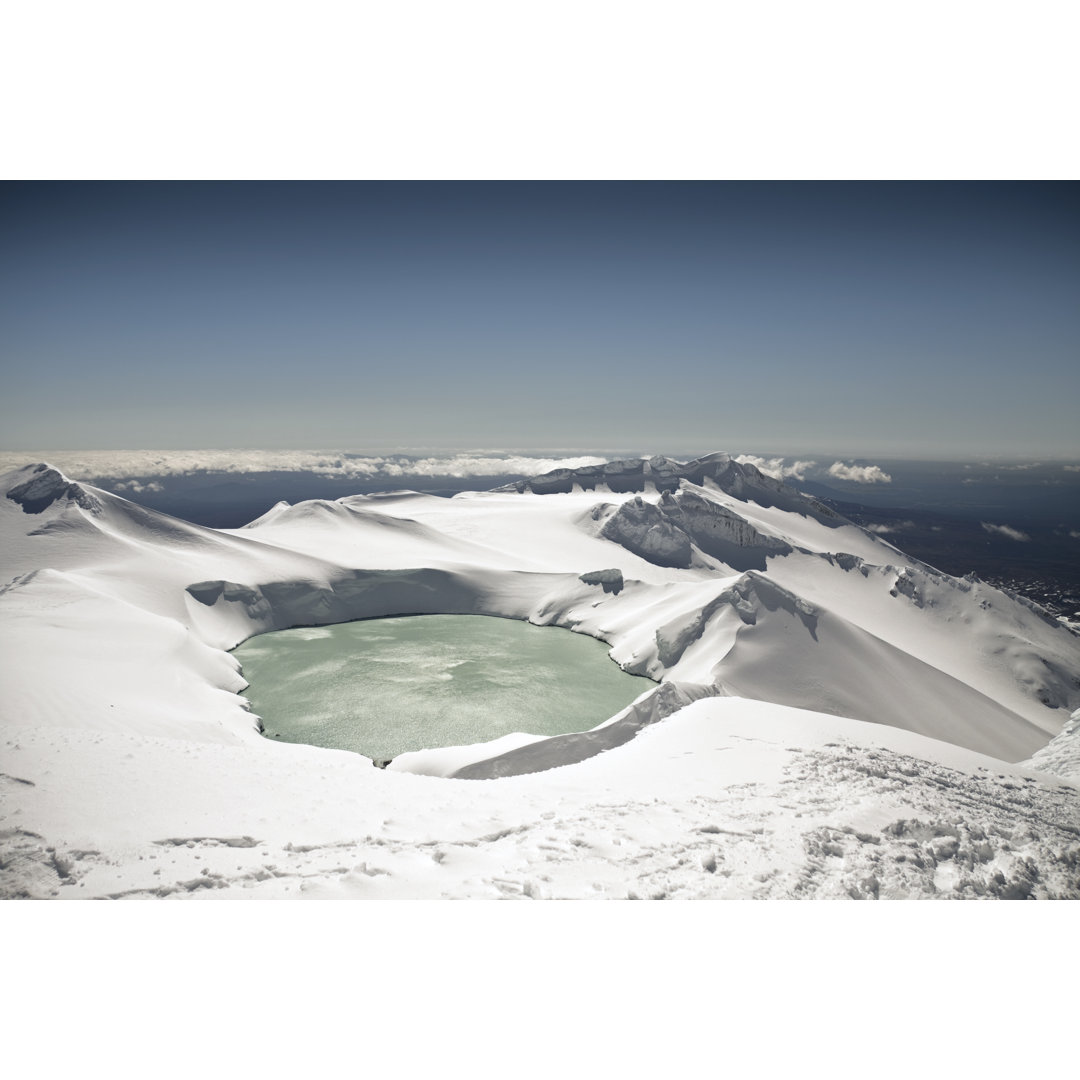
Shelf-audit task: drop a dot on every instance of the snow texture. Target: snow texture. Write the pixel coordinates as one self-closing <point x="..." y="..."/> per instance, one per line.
<point x="832" y="718"/>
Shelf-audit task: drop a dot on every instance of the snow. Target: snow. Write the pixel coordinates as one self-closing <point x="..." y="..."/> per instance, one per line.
<point x="833" y="719"/>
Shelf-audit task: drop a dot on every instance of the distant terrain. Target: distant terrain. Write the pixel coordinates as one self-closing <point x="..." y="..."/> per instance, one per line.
<point x="934" y="511"/>
<point x="1015" y="525"/>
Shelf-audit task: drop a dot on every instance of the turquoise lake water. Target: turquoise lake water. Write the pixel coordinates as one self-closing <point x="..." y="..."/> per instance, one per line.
<point x="385" y="686"/>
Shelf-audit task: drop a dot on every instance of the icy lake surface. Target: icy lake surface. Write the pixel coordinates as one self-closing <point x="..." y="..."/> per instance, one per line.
<point x="385" y="686"/>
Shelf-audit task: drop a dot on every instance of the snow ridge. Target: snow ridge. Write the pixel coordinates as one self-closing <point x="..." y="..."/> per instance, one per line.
<point x="662" y="474"/>
<point x="45" y="486"/>
<point x="824" y="705"/>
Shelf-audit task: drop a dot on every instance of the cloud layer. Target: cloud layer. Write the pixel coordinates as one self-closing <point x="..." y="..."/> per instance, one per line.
<point x="101" y="465"/>
<point x="859" y="474"/>
<point x="884" y="530"/>
<point x="141" y="471"/>
<point x="1005" y="530"/>
<point x="137" y="488"/>
<point x="810" y="470"/>
<point x="778" y="467"/>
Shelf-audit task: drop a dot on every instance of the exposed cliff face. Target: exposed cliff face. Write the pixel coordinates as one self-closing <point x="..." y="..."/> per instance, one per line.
<point x="668" y="532"/>
<point x="616" y="476"/>
<point x="633" y="474"/>
<point x="666" y="475"/>
<point x="44" y="486"/>
<point x="647" y="531"/>
<point x="720" y="532"/>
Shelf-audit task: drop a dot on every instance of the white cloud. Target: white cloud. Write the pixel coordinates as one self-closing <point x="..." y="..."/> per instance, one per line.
<point x="1005" y="530"/>
<point x="1072" y="468"/>
<point x="104" y="465"/>
<point x="1074" y="534"/>
<point x="896" y="526"/>
<point x="136" y="488"/>
<point x="775" y="466"/>
<point x="859" y="474"/>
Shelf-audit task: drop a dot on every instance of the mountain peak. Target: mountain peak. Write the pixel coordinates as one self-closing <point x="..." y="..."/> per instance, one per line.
<point x="37" y="487"/>
<point x="742" y="481"/>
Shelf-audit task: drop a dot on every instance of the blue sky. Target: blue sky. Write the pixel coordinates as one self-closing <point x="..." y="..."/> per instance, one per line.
<point x="866" y="318"/>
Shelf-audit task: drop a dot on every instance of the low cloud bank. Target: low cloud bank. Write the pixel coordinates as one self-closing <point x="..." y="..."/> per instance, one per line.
<point x="144" y="471"/>
<point x="1004" y="530"/>
<point x="777" y="466"/>
<point x="810" y="470"/>
<point x="100" y="465"/>
<point x="884" y="530"/>
<point x="859" y="474"/>
<point x="137" y="489"/>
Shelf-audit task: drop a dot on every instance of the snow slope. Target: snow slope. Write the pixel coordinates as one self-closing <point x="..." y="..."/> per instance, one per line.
<point x="832" y="718"/>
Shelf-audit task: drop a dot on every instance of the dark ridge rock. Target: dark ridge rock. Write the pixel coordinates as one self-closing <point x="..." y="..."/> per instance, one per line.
<point x="209" y="592"/>
<point x="665" y="533"/>
<point x="720" y="532"/>
<point x="47" y="486"/>
<point x="642" y="528"/>
<point x="624" y="476"/>
<point x="667" y="475"/>
<point x="355" y="594"/>
<point x="612" y="580"/>
<point x="242" y="593"/>
<point x="848" y="562"/>
<point x="206" y="592"/>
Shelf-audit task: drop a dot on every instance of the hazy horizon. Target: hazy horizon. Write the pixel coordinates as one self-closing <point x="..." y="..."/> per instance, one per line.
<point x="87" y="463"/>
<point x="777" y="449"/>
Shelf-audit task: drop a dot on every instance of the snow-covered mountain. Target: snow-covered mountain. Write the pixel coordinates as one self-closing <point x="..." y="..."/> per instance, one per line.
<point x="829" y="712"/>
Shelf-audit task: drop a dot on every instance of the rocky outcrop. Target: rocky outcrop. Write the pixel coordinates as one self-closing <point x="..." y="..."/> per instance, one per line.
<point x="668" y="532"/>
<point x="720" y="532"/>
<point x="611" y="580"/>
<point x="357" y="594"/>
<point x="745" y="597"/>
<point x="645" y="530"/>
<point x="46" y="486"/>
<point x="667" y="475"/>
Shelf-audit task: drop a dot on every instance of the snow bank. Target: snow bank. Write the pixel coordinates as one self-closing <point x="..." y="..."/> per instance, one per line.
<point x="131" y="766"/>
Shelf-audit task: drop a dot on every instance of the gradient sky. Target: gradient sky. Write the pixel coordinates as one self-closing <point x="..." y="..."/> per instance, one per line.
<point x="864" y="318"/>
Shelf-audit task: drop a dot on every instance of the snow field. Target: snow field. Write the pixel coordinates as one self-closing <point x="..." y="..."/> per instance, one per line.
<point x="793" y="749"/>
